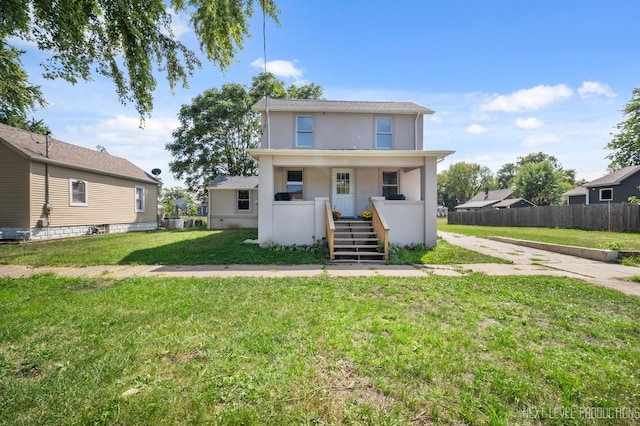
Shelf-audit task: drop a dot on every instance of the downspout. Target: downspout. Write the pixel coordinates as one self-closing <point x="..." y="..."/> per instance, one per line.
<point x="47" y="205"/>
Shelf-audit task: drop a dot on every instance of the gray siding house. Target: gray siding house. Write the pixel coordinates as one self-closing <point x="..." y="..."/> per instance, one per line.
<point x="615" y="187"/>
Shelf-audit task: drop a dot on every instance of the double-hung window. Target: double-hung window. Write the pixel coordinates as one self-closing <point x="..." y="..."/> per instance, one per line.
<point x="389" y="184"/>
<point x="244" y="200"/>
<point x="294" y="184"/>
<point x="139" y="199"/>
<point x="384" y="132"/>
<point x="78" y="195"/>
<point x="304" y="131"/>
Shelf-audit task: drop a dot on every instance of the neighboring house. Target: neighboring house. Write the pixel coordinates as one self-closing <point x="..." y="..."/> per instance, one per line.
<point x="317" y="156"/>
<point x="233" y="202"/>
<point x="496" y="199"/>
<point x="615" y="187"/>
<point x="52" y="189"/>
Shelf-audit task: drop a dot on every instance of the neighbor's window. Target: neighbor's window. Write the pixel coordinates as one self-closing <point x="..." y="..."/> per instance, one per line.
<point x="304" y="131"/>
<point x="383" y="133"/>
<point x="244" y="200"/>
<point x="389" y="183"/>
<point x="294" y="184"/>
<point x="139" y="199"/>
<point x="77" y="192"/>
<point x="606" y="194"/>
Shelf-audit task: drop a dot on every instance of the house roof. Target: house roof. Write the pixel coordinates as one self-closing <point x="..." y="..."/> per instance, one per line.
<point x="482" y="199"/>
<point x="315" y="105"/>
<point x="614" y="178"/>
<point x="510" y="202"/>
<point x="476" y="204"/>
<point x="33" y="146"/>
<point x="576" y="192"/>
<point x="234" y="182"/>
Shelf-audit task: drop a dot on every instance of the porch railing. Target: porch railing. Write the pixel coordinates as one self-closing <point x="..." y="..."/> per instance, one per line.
<point x="380" y="227"/>
<point x="331" y="228"/>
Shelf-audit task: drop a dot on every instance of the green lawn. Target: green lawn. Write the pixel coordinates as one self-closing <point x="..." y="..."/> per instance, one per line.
<point x="378" y="350"/>
<point x="198" y="247"/>
<point x="573" y="237"/>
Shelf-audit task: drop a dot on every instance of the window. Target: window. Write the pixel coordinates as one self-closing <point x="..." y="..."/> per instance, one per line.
<point x="389" y="183"/>
<point x="139" y="201"/>
<point x="244" y="200"/>
<point x="606" y="194"/>
<point x="304" y="131"/>
<point x="77" y="192"/>
<point x="383" y="133"/>
<point x="294" y="184"/>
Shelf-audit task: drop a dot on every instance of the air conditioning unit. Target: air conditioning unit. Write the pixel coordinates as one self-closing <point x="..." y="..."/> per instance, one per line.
<point x="43" y="223"/>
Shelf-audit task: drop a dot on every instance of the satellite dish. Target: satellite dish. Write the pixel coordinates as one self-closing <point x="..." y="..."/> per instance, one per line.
<point x="156" y="172"/>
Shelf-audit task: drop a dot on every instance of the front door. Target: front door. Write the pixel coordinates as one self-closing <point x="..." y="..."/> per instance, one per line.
<point x="343" y="192"/>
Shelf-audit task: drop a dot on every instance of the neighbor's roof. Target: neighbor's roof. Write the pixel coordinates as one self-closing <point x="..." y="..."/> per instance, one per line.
<point x="495" y="195"/>
<point x="576" y="192"/>
<point x="316" y="105"/>
<point x="475" y="204"/>
<point x="614" y="178"/>
<point x="33" y="146"/>
<point x="510" y="202"/>
<point x="234" y="182"/>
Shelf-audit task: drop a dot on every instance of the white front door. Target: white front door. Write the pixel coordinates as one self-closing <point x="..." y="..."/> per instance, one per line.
<point x="343" y="192"/>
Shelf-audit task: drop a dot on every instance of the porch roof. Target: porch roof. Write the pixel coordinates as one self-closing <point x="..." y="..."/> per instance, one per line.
<point x="345" y="154"/>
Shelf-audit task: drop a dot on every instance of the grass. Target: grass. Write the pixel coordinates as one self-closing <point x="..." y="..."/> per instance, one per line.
<point x="573" y="237"/>
<point x="198" y="247"/>
<point x="378" y="350"/>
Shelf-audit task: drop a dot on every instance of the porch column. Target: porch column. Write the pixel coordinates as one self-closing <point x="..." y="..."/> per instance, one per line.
<point x="265" y="200"/>
<point x="430" y="191"/>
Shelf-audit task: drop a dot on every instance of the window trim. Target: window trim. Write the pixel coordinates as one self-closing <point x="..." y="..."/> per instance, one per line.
<point x="605" y="199"/>
<point x="377" y="133"/>
<point x="299" y="131"/>
<point x="295" y="182"/>
<point x="382" y="185"/>
<point x="248" y="200"/>
<point x="86" y="193"/>
<point x="135" y="199"/>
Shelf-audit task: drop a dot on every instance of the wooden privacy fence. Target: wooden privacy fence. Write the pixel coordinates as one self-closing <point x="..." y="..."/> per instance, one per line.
<point x="619" y="217"/>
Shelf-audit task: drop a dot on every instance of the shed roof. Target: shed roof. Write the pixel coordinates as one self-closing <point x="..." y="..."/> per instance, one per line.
<point x="234" y="182"/>
<point x="33" y="146"/>
<point x="495" y="195"/>
<point x="317" y="105"/>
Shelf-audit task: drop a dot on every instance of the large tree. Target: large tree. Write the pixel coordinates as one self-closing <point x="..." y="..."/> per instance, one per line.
<point x="539" y="183"/>
<point x="461" y="181"/>
<point x="215" y="131"/>
<point x="126" y="41"/>
<point x="626" y="143"/>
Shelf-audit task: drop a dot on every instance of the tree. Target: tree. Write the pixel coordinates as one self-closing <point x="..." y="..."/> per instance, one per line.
<point x="126" y="41"/>
<point x="626" y="143"/>
<point x="539" y="183"/>
<point x="461" y="181"/>
<point x="504" y="176"/>
<point x="215" y="131"/>
<point x="267" y="84"/>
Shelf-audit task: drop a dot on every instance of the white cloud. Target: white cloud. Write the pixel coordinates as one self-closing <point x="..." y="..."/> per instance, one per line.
<point x="280" y="68"/>
<point x="528" y="99"/>
<point x="532" y="141"/>
<point x="529" y="123"/>
<point x="179" y="23"/>
<point x="476" y="129"/>
<point x="590" y="89"/>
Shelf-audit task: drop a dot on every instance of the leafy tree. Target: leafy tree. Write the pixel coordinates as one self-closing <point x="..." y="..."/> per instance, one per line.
<point x="217" y="128"/>
<point x="168" y="197"/>
<point x="126" y="41"/>
<point x="539" y="183"/>
<point x="267" y="84"/>
<point x="461" y="181"/>
<point x="626" y="143"/>
<point x="504" y="176"/>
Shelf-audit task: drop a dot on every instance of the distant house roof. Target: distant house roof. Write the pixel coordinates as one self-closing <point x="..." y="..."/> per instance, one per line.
<point x="234" y="182"/>
<point x="510" y="202"/>
<point x="614" y="178"/>
<point x="315" y="105"/>
<point x="576" y="192"/>
<point x="33" y="146"/>
<point x="484" y="199"/>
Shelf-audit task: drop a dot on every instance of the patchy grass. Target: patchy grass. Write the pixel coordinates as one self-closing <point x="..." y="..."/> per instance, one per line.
<point x="197" y="247"/>
<point x="443" y="254"/>
<point x="378" y="350"/>
<point x="573" y="237"/>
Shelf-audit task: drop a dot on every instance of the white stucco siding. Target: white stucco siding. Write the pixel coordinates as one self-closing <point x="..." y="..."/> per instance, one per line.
<point x="293" y="222"/>
<point x="367" y="185"/>
<point x="405" y="220"/>
<point x="409" y="184"/>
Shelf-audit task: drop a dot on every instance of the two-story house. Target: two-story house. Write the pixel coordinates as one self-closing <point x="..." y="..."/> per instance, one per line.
<point x="319" y="156"/>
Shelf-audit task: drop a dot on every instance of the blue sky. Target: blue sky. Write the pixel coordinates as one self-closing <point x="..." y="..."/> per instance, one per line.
<point x="506" y="78"/>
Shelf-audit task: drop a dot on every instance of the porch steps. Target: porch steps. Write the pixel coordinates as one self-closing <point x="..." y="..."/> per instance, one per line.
<point x="355" y="241"/>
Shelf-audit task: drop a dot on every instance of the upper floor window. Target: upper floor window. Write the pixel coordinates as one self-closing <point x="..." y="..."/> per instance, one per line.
<point x="294" y="184"/>
<point x="383" y="133"/>
<point x="606" y="194"/>
<point x="389" y="184"/>
<point x="78" y="192"/>
<point x="139" y="199"/>
<point x="304" y="131"/>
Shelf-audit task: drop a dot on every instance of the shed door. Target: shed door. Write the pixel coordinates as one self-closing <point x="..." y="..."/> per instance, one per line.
<point x="343" y="192"/>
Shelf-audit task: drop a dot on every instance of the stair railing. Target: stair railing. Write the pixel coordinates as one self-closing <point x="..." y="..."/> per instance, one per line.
<point x="331" y="228"/>
<point x="380" y="227"/>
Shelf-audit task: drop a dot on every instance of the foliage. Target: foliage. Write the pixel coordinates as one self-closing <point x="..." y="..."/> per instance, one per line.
<point x="333" y="351"/>
<point x="126" y="41"/>
<point x="168" y="198"/>
<point x="504" y="176"/>
<point x="17" y="97"/>
<point x="634" y="199"/>
<point x="612" y="245"/>
<point x="538" y="183"/>
<point x="267" y="84"/>
<point x="336" y="214"/>
<point x="366" y="214"/>
<point x="626" y="143"/>
<point x="461" y="181"/>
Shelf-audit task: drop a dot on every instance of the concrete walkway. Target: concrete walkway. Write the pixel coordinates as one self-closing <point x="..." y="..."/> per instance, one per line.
<point x="526" y="261"/>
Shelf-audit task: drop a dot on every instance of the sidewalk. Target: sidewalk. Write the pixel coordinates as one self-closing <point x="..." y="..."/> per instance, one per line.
<point x="526" y="261"/>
